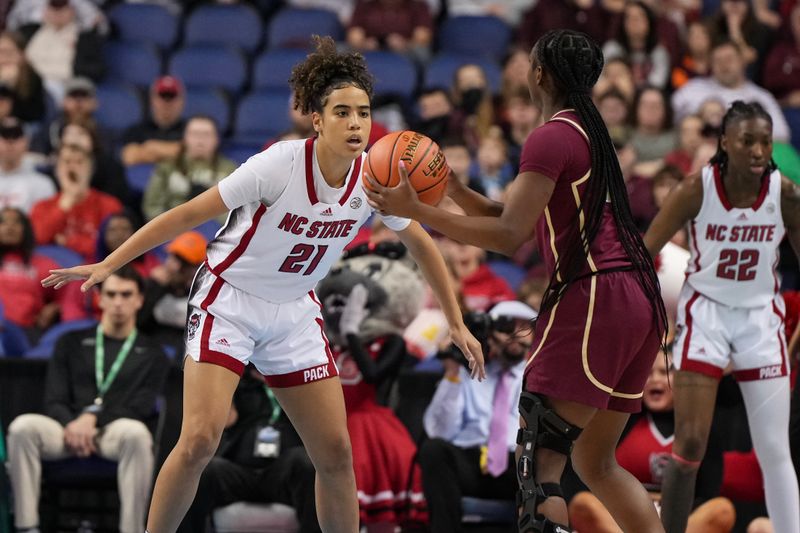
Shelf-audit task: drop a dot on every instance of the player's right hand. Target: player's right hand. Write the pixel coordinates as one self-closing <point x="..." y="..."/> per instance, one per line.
<point x="93" y="274"/>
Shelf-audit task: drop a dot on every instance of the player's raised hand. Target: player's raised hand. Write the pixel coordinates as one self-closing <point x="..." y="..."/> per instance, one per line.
<point x="93" y="274"/>
<point x="400" y="200"/>
<point x="471" y="349"/>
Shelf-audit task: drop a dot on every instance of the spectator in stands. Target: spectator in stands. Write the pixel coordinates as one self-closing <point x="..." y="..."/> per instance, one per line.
<point x="532" y="290"/>
<point x="653" y="137"/>
<point x="690" y="140"/>
<point x="87" y="14"/>
<point x="6" y="101"/>
<point x="736" y="22"/>
<point x="637" y="43"/>
<point x="72" y="217"/>
<point x="115" y="230"/>
<point x="617" y="75"/>
<point x="26" y="303"/>
<point x="472" y="426"/>
<point x="157" y="138"/>
<point x="515" y="69"/>
<point x="520" y="117"/>
<point x="492" y="168"/>
<point x="108" y="174"/>
<point x="587" y="16"/>
<point x="163" y="315"/>
<point x="615" y="110"/>
<point x="198" y="166"/>
<point x="696" y="61"/>
<point x="260" y="459"/>
<point x="728" y="83"/>
<point x="480" y="287"/>
<point x="459" y="160"/>
<point x="435" y="114"/>
<point x="59" y="49"/>
<point x="101" y="388"/>
<point x="20" y="185"/>
<point x="21" y="79"/>
<point x="342" y="8"/>
<point x="640" y="193"/>
<point x="664" y="181"/>
<point x="401" y="26"/>
<point x="473" y="116"/>
<point x="510" y="11"/>
<point x="782" y="66"/>
<point x="79" y="105"/>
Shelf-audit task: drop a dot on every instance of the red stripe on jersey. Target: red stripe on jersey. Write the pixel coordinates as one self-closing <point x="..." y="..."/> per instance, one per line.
<point x="307" y="375"/>
<point x="355" y="175"/>
<point x="243" y="243"/>
<point x="692" y="365"/>
<point x="696" y="248"/>
<point x="763" y="192"/>
<point x="721" y="189"/>
<point x="207" y="355"/>
<point x="781" y="339"/>
<point x="312" y="193"/>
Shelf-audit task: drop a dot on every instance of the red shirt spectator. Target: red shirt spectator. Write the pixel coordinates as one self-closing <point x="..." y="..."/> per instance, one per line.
<point x="393" y="24"/>
<point x="781" y="74"/>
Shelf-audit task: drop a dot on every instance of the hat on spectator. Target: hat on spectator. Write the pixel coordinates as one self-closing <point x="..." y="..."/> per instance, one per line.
<point x="513" y="309"/>
<point x="167" y="86"/>
<point x="189" y="246"/>
<point x="79" y="86"/>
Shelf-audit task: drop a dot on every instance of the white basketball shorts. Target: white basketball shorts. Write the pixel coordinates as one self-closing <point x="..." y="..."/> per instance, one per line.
<point x="230" y="328"/>
<point x="710" y="336"/>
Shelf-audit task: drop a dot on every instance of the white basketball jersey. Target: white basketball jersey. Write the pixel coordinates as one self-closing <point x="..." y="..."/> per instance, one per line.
<point x="284" y="239"/>
<point x="734" y="251"/>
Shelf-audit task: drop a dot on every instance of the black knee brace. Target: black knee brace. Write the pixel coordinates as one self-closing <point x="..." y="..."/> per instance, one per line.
<point x="545" y="429"/>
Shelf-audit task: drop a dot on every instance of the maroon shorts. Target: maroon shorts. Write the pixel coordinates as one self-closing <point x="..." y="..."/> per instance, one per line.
<point x="596" y="347"/>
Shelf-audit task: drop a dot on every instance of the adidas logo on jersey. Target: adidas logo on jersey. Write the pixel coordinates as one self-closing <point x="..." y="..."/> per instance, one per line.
<point x="742" y="217"/>
<point x="223" y="342"/>
<point x="327" y="213"/>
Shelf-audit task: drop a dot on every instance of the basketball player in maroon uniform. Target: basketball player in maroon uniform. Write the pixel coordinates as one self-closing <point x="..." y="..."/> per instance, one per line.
<point x="602" y="318"/>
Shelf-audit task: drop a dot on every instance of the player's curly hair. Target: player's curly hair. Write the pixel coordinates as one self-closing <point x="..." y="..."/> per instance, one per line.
<point x="323" y="71"/>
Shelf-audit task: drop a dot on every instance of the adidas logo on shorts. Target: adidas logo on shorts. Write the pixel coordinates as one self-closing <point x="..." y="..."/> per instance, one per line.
<point x="223" y="342"/>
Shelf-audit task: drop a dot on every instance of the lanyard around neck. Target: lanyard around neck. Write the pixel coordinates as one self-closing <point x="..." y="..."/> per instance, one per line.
<point x="104" y="383"/>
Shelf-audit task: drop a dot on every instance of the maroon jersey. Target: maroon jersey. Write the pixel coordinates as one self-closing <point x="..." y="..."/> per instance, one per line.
<point x="559" y="150"/>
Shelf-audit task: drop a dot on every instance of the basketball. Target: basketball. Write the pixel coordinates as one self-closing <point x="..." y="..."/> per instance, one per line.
<point x="424" y="161"/>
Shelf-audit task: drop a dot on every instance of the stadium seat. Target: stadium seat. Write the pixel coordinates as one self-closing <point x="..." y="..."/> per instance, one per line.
<point x="292" y="28"/>
<point x="145" y="23"/>
<point x="234" y="24"/>
<point x="209" y="66"/>
<point x="512" y="273"/>
<point x="394" y="74"/>
<point x="261" y="115"/>
<point x="271" y="70"/>
<point x="136" y="63"/>
<point x="120" y="106"/>
<point x="65" y="257"/>
<point x="793" y="118"/>
<point x="441" y="69"/>
<point x="211" y="102"/>
<point x="47" y="343"/>
<point x="208" y="229"/>
<point x="137" y="177"/>
<point x="481" y="511"/>
<point x="483" y="36"/>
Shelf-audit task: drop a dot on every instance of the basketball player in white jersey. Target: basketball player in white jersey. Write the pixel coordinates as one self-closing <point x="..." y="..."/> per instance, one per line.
<point x="730" y="313"/>
<point x="293" y="208"/>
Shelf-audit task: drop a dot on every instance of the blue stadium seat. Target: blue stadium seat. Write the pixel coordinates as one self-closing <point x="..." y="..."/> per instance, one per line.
<point x="440" y="71"/>
<point x="145" y="23"/>
<point x="478" y="510"/>
<point x="136" y="63"/>
<point x="120" y="106"/>
<point x="210" y="66"/>
<point x="137" y="177"/>
<point x="235" y="24"/>
<point x="65" y="257"/>
<point x="239" y="153"/>
<point x="271" y="70"/>
<point x="211" y="102"/>
<point x="208" y="229"/>
<point x="793" y="118"/>
<point x="292" y="28"/>
<point x="394" y="74"/>
<point x="47" y="343"/>
<point x="483" y="36"/>
<point x="512" y="273"/>
<point x="261" y="115"/>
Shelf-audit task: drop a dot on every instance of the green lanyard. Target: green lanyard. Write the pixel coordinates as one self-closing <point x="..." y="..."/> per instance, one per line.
<point x="99" y="362"/>
<point x="276" y="407"/>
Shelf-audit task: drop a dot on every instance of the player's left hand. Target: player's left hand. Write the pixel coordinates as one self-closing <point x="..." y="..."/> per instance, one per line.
<point x="471" y="349"/>
<point x="400" y="200"/>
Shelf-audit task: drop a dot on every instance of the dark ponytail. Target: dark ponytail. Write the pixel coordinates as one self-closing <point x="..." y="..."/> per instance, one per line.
<point x="575" y="62"/>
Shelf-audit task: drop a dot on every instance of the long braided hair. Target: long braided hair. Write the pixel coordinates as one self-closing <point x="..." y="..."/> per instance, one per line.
<point x="739" y="110"/>
<point x="574" y="61"/>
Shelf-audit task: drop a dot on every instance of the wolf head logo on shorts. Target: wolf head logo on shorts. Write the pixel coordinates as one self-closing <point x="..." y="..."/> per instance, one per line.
<point x="192" y="325"/>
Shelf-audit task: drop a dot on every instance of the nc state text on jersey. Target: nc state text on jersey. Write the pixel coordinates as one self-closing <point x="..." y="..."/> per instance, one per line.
<point x="328" y="229"/>
<point x="754" y="233"/>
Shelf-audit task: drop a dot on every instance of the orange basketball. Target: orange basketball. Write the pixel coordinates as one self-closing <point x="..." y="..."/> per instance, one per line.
<point x="424" y="161"/>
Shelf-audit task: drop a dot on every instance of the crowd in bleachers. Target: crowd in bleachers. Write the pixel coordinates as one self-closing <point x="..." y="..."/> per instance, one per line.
<point x="112" y="112"/>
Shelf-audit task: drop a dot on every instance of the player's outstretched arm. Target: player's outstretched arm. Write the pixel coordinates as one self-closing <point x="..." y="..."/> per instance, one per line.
<point x="527" y="198"/>
<point x="161" y="229"/>
<point x="430" y="261"/>
<point x="681" y="205"/>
